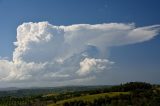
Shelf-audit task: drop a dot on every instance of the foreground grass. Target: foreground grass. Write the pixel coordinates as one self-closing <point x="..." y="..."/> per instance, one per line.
<point x="88" y="97"/>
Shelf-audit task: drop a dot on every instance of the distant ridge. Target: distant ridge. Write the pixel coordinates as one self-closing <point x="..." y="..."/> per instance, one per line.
<point x="9" y="89"/>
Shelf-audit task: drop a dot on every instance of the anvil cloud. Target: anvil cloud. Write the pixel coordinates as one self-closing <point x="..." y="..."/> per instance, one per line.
<point x="46" y="52"/>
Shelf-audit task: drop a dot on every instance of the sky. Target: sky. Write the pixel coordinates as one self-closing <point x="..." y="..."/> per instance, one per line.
<point x="79" y="42"/>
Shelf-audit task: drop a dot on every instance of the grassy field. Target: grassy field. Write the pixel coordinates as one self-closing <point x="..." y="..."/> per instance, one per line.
<point x="88" y="97"/>
<point x="52" y="94"/>
<point x="158" y="88"/>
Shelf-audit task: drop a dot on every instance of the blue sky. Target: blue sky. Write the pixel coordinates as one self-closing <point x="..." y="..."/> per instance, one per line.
<point x="135" y="62"/>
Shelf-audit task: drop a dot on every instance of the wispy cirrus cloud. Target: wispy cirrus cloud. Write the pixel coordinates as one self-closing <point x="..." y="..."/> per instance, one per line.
<point x="46" y="52"/>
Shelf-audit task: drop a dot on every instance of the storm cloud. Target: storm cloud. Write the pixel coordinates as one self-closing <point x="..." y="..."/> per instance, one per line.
<point x="46" y="52"/>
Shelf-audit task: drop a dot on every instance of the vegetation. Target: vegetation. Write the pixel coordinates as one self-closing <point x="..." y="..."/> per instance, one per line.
<point x="129" y="94"/>
<point x="88" y="98"/>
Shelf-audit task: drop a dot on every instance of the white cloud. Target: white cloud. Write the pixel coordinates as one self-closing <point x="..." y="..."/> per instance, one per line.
<point x="45" y="52"/>
<point x="88" y="66"/>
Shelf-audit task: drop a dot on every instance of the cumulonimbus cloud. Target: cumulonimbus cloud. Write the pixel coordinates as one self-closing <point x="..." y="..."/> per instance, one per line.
<point x="46" y="52"/>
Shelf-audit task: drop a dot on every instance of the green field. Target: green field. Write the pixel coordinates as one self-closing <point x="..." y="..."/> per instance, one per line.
<point x="89" y="97"/>
<point x="51" y="94"/>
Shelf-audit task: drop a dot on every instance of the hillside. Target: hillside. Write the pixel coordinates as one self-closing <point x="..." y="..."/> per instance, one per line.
<point x="129" y="94"/>
<point x="89" y="98"/>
